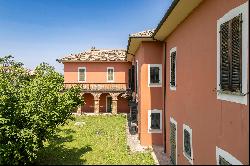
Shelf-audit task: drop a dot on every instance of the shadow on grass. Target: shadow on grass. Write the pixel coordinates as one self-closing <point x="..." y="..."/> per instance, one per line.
<point x="56" y="153"/>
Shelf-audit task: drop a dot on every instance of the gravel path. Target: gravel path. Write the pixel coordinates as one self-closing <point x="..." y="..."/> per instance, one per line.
<point x="134" y="145"/>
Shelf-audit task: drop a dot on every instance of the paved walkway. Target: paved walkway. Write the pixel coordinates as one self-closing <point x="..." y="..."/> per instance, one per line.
<point x="134" y="145"/>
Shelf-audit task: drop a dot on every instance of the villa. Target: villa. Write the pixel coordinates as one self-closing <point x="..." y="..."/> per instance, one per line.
<point x="186" y="81"/>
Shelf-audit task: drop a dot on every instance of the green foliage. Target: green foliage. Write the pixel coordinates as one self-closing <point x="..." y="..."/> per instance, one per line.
<point x="31" y="107"/>
<point x="100" y="141"/>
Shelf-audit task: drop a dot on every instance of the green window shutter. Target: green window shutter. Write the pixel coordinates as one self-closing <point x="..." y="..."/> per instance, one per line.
<point x="187" y="144"/>
<point x="231" y="54"/>
<point x="110" y="74"/>
<point x="236" y="53"/>
<point x="82" y="75"/>
<point x="173" y="63"/>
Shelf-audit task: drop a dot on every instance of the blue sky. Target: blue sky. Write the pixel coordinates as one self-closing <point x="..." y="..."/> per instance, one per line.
<point x="36" y="31"/>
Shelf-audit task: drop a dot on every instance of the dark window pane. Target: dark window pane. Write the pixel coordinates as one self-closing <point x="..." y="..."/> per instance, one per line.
<point x="155" y="121"/>
<point x="173" y="63"/>
<point x="187" y="145"/>
<point x="222" y="161"/>
<point x="154" y="75"/>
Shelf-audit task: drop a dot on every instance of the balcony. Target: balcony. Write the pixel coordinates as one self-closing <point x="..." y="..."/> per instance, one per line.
<point x="99" y="87"/>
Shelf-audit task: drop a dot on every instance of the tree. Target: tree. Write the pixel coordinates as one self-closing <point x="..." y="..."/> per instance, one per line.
<point x="31" y="107"/>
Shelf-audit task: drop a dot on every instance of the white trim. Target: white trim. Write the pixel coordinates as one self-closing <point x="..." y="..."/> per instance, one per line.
<point x="149" y="121"/>
<point x="175" y="123"/>
<point x="137" y="68"/>
<point x="174" y="49"/>
<point x="228" y="16"/>
<point x="113" y="74"/>
<point x="227" y="156"/>
<point x="191" y="158"/>
<point x="107" y="102"/>
<point x="160" y="75"/>
<point x="78" y="74"/>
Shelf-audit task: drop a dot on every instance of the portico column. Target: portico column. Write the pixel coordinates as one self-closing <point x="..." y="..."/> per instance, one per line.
<point x="79" y="108"/>
<point x="96" y="102"/>
<point x="114" y="102"/>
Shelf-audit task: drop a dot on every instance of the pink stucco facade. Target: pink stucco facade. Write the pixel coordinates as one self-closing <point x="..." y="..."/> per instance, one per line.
<point x="149" y="98"/>
<point x="96" y="72"/>
<point x="214" y="122"/>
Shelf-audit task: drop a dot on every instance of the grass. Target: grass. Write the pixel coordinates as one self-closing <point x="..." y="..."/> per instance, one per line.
<point x="102" y="140"/>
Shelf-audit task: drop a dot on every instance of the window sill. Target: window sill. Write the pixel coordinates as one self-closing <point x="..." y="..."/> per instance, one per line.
<point x="172" y="87"/>
<point x="188" y="158"/>
<point x="154" y="131"/>
<point x="154" y="85"/>
<point x="232" y="93"/>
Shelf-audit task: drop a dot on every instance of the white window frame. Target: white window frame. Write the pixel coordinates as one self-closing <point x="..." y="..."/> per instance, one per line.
<point x="85" y="73"/>
<point x="113" y="74"/>
<point x="149" y="121"/>
<point x="160" y="75"/>
<point x="228" y="16"/>
<point x="227" y="156"/>
<point x="191" y="158"/>
<point x="174" y="49"/>
<point x="174" y="122"/>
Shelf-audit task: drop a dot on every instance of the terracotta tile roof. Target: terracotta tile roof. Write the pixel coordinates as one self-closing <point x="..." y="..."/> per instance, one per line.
<point x="97" y="55"/>
<point x="147" y="33"/>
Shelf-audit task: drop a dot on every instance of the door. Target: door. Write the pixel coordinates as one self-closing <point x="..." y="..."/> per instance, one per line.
<point x="173" y="143"/>
<point x="109" y="103"/>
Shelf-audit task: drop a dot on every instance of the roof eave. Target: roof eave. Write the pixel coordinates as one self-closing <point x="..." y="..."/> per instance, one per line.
<point x="177" y="12"/>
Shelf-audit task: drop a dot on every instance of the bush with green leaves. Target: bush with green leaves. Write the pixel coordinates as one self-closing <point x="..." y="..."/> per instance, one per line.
<point x="31" y="108"/>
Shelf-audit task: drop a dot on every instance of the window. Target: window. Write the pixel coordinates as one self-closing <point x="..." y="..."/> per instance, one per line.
<point x="232" y="56"/>
<point x="225" y="158"/>
<point x="154" y="121"/>
<point x="154" y="75"/>
<point x="133" y="78"/>
<point x="173" y="141"/>
<point x="110" y="74"/>
<point x="82" y="74"/>
<point x="187" y="143"/>
<point x="173" y="68"/>
<point x="137" y="69"/>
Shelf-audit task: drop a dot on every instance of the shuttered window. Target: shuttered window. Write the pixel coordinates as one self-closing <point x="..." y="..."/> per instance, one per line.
<point x="81" y="74"/>
<point x="110" y="72"/>
<point x="231" y="55"/>
<point x="187" y="144"/>
<point x="154" y="75"/>
<point x="155" y="121"/>
<point x="173" y="68"/>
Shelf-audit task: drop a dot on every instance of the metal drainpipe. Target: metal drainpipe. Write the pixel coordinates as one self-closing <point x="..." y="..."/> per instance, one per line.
<point x="164" y="96"/>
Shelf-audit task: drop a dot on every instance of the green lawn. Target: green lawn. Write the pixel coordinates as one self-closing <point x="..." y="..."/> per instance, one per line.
<point x="102" y="140"/>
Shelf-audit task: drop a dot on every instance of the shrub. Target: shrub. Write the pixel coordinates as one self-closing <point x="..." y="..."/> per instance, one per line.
<point x="31" y="107"/>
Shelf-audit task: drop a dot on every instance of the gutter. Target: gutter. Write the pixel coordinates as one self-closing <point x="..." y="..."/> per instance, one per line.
<point x="174" y="3"/>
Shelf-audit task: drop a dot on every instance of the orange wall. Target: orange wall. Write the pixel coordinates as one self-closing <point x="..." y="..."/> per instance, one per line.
<point x="122" y="104"/>
<point x="96" y="71"/>
<point x="149" y="98"/>
<point x="194" y="103"/>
